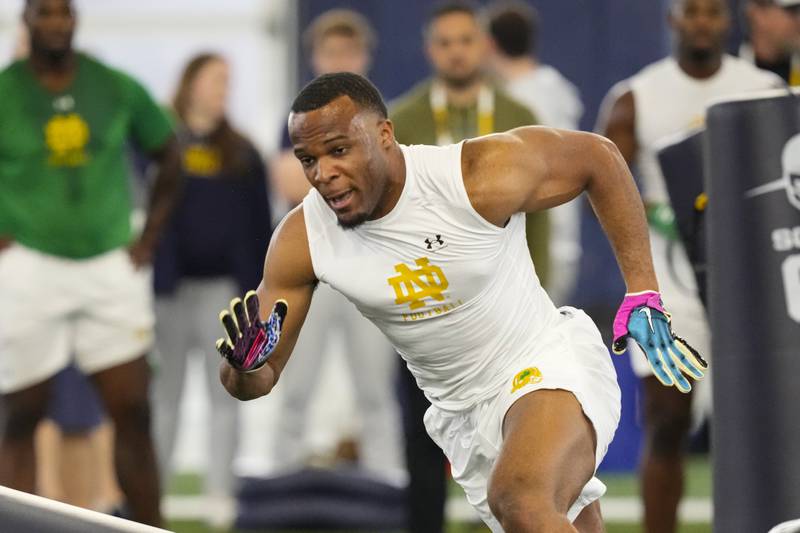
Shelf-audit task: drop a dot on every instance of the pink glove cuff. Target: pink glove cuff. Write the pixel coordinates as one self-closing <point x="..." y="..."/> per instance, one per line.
<point x="629" y="303"/>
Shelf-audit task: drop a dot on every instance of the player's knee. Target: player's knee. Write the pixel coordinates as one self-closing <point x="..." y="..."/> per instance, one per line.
<point x="525" y="511"/>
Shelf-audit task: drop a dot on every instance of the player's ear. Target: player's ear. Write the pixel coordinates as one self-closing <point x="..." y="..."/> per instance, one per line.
<point x="386" y="132"/>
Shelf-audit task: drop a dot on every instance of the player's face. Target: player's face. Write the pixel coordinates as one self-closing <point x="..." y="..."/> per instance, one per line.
<point x="456" y="47"/>
<point x="209" y="93"/>
<point x="343" y="152"/>
<point x="51" y="24"/>
<point x="340" y="53"/>
<point x="701" y="27"/>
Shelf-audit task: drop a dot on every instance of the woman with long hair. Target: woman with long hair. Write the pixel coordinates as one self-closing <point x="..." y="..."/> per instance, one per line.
<point x="213" y="250"/>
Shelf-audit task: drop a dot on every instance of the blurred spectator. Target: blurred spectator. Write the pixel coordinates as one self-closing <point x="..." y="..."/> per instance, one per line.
<point x="74" y="444"/>
<point x="336" y="41"/>
<point x="212" y="249"/>
<point x="456" y="103"/>
<point x="514" y="39"/>
<point x="514" y="31"/>
<point x="665" y="99"/>
<point x="72" y="279"/>
<point x="773" y="40"/>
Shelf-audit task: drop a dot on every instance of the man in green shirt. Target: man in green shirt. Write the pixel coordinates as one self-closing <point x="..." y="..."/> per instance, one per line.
<point x="456" y="103"/>
<point x="73" y="281"/>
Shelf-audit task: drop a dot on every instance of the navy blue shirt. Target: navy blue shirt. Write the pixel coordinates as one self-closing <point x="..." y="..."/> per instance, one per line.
<point x="221" y="225"/>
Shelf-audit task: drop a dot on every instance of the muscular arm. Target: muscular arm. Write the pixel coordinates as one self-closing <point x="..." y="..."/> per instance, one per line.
<point x="533" y="168"/>
<point x="288" y="275"/>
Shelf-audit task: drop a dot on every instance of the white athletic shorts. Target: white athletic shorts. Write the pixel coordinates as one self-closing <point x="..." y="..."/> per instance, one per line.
<point x="573" y="358"/>
<point x="98" y="310"/>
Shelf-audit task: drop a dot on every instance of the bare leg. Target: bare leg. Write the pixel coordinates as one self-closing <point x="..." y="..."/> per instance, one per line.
<point x="108" y="494"/>
<point x="667" y="419"/>
<point x="47" y="441"/>
<point x="77" y="468"/>
<point x="24" y="410"/>
<point x="590" y="520"/>
<point x="124" y="389"/>
<point x="547" y="457"/>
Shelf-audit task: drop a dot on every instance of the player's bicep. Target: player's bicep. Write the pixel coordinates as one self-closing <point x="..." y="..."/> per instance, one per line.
<point x="289" y="276"/>
<point x="526" y="169"/>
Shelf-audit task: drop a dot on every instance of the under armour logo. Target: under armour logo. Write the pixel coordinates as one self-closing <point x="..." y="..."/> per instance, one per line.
<point x="435" y="243"/>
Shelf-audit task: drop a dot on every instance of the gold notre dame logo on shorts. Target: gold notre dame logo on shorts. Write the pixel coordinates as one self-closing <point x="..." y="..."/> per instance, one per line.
<point x="202" y="160"/>
<point x="413" y="286"/>
<point x="66" y="136"/>
<point x="529" y="375"/>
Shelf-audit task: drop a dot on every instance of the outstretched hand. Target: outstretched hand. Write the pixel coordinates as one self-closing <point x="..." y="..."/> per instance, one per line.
<point x="642" y="317"/>
<point x="250" y="342"/>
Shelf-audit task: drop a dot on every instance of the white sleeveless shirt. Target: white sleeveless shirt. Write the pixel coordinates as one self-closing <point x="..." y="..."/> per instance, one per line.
<point x="668" y="102"/>
<point x="456" y="296"/>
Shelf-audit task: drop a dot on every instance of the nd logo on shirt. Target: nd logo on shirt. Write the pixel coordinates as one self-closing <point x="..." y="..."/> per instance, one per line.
<point x="413" y="286"/>
<point x="66" y="137"/>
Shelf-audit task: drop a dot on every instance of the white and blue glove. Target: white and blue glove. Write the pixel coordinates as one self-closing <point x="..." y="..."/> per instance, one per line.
<point x="642" y="318"/>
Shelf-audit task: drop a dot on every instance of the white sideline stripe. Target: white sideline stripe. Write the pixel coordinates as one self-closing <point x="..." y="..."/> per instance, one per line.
<point x="695" y="510"/>
<point x="71" y="512"/>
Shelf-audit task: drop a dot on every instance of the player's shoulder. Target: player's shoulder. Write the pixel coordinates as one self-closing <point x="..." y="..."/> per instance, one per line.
<point x="550" y="78"/>
<point x="289" y="254"/>
<point x="294" y="223"/>
<point x="112" y="76"/>
<point x="12" y="73"/>
<point x="90" y="64"/>
<point x="291" y="235"/>
<point x="653" y="72"/>
<point x="745" y="70"/>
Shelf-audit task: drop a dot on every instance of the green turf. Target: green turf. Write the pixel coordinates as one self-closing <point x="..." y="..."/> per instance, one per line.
<point x="186" y="484"/>
<point x="698" y="480"/>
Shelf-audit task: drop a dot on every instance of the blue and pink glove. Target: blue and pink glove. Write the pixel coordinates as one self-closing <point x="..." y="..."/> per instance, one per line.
<point x="250" y="341"/>
<point x="642" y="317"/>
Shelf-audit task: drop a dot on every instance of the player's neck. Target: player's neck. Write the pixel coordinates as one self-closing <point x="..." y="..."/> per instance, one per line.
<point x="464" y="95"/>
<point x="512" y="68"/>
<point x="54" y="71"/>
<point x="200" y="123"/>
<point x="394" y="185"/>
<point x="700" y="68"/>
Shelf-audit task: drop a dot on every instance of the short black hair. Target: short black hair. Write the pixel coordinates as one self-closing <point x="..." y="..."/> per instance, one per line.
<point x="448" y="7"/>
<point x="514" y="26"/>
<point x="326" y="88"/>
